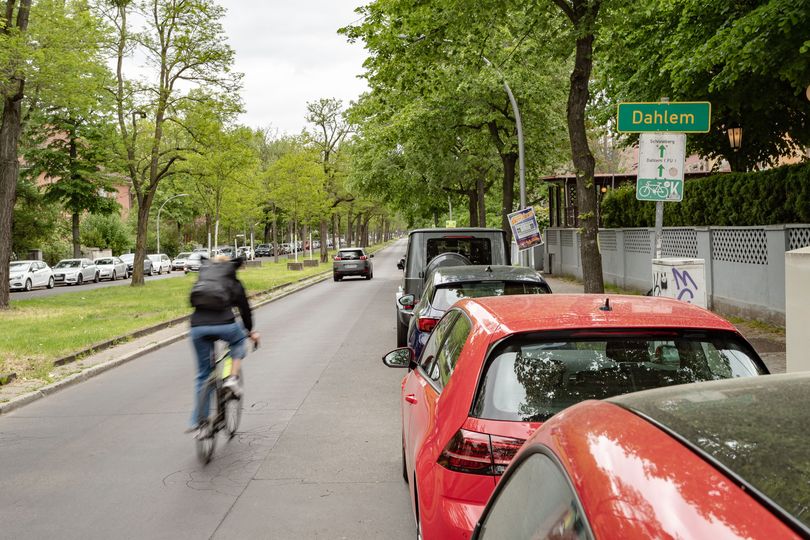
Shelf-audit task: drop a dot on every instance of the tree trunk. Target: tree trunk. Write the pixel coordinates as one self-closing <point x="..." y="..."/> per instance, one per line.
<point x="584" y="166"/>
<point x="275" y="235"/>
<point x="140" y="241"/>
<point x="472" y="200"/>
<point x="482" y="207"/>
<point x="324" y="236"/>
<point x="358" y="235"/>
<point x="509" y="161"/>
<point x="77" y="243"/>
<point x="10" y="129"/>
<point x="336" y="231"/>
<point x="350" y="225"/>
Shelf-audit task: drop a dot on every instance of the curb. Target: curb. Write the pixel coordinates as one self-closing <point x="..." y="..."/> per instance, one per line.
<point x="70" y="380"/>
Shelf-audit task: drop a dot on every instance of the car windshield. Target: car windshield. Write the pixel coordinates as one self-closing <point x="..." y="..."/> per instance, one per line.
<point x="447" y="295"/>
<point x="183" y="255"/>
<point x="350" y="253"/>
<point x="756" y="428"/>
<point x="105" y="261"/>
<point x="530" y="378"/>
<point x="155" y="258"/>
<point x="19" y="266"/>
<point x="195" y="256"/>
<point x="477" y="250"/>
<point x="68" y="264"/>
<point x="127" y="257"/>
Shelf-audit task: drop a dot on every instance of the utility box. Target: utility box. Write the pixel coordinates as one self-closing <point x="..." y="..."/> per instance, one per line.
<point x="681" y="279"/>
<point x="797" y="309"/>
<point x="35" y="254"/>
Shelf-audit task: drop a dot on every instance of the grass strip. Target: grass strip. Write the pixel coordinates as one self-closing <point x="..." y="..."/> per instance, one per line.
<point x="37" y="331"/>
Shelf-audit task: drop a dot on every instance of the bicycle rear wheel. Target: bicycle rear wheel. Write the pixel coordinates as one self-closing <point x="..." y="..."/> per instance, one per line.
<point x="233" y="409"/>
<point x="206" y="436"/>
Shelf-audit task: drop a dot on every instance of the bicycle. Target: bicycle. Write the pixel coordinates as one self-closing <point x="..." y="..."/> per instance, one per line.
<point x="224" y="406"/>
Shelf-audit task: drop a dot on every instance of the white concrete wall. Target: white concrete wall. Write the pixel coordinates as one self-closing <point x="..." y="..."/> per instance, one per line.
<point x="797" y="309"/>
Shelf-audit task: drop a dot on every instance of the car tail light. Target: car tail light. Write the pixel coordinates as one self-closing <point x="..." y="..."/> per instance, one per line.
<point x="363" y="257"/>
<point x="337" y="258"/>
<point x="426" y="324"/>
<point x="478" y="453"/>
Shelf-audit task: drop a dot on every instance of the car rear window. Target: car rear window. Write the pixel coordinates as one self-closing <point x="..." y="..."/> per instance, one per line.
<point x="477" y="250"/>
<point x="350" y="253"/>
<point x="447" y="295"/>
<point x="104" y="261"/>
<point x="530" y="378"/>
<point x="757" y="429"/>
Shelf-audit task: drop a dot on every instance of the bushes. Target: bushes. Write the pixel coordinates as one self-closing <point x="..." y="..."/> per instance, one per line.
<point x="106" y="232"/>
<point x="774" y="196"/>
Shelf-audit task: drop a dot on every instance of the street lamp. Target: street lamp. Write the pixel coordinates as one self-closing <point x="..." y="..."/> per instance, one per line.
<point x="158" y="216"/>
<point x="735" y="134"/>
<point x="521" y="153"/>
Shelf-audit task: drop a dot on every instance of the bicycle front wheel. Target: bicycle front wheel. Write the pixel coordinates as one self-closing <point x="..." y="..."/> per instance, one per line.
<point x="233" y="408"/>
<point x="206" y="436"/>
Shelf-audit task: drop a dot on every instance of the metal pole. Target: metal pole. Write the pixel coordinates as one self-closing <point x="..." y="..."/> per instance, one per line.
<point x="158" y="214"/>
<point x="524" y="257"/>
<point x="450" y="204"/>
<point x="659" y="216"/>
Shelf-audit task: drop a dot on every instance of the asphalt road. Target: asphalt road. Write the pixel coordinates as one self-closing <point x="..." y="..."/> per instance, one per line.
<point x="317" y="456"/>
<point x="61" y="289"/>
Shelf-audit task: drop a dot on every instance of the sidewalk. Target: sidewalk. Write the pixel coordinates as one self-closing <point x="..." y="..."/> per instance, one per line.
<point x="768" y="341"/>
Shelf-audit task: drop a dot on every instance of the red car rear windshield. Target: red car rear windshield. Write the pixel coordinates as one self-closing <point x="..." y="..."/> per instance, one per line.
<point x="447" y="295"/>
<point x="530" y="378"/>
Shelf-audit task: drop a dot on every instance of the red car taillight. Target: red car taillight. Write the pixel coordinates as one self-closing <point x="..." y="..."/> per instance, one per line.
<point x="338" y="258"/>
<point x="426" y="324"/>
<point x="478" y="453"/>
<point x="363" y="258"/>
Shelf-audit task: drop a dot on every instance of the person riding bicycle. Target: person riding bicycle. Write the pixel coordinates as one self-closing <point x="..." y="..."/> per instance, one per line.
<point x="214" y="296"/>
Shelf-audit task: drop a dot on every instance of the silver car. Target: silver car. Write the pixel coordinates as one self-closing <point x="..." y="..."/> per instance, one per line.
<point x="352" y="262"/>
<point x="179" y="262"/>
<point x="75" y="271"/>
<point x="161" y="263"/>
<point x="29" y="274"/>
<point x="112" y="268"/>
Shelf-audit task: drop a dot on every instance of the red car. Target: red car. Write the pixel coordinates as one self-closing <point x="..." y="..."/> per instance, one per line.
<point x="495" y="368"/>
<point x="716" y="460"/>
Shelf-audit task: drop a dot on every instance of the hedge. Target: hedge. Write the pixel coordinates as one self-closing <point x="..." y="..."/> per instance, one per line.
<point x="773" y="196"/>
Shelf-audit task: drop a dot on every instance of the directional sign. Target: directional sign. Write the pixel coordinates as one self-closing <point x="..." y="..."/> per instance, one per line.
<point x="681" y="117"/>
<point x="660" y="167"/>
<point x="525" y="228"/>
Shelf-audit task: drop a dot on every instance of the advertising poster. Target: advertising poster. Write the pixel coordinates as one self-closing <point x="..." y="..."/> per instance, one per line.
<point x="525" y="228"/>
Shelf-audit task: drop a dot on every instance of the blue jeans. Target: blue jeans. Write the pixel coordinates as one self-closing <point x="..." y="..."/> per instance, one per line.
<point x="234" y="334"/>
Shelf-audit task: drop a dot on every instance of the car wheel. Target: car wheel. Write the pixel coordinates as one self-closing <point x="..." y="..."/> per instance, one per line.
<point x="97" y="278"/>
<point x="80" y="279"/>
<point x="416" y="510"/>
<point x="151" y="271"/>
<point x="402" y="335"/>
<point x="50" y="283"/>
<point x="27" y="285"/>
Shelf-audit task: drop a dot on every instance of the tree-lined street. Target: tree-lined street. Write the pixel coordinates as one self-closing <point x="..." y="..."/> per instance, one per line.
<point x="317" y="455"/>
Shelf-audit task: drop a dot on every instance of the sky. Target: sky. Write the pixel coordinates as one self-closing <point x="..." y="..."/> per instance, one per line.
<point x="291" y="54"/>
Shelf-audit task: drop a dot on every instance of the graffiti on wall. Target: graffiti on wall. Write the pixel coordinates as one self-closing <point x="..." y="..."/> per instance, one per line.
<point x="686" y="283"/>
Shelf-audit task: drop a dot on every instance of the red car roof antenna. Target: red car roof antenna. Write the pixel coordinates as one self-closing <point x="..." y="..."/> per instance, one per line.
<point x="606" y="307"/>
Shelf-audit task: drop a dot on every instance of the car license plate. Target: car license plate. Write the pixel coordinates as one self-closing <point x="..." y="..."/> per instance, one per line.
<point x="351" y="266"/>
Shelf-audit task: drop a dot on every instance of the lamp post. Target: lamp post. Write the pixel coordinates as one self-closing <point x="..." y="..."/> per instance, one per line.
<point x="521" y="154"/>
<point x="158" y="216"/>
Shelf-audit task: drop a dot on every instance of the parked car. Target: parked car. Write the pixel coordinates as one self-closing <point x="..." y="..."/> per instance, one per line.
<point x="179" y="262"/>
<point x="470" y="246"/>
<point x="244" y="251"/>
<point x="29" y="274"/>
<point x="75" y="271"/>
<point x="494" y="369"/>
<point x="194" y="261"/>
<point x="352" y="262"/>
<point x="111" y="268"/>
<point x="722" y="459"/>
<point x="161" y="263"/>
<point x="446" y="285"/>
<point x="264" y="250"/>
<point x="129" y="258"/>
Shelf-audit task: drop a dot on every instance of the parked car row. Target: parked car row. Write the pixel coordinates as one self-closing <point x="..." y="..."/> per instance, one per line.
<point x="27" y="275"/>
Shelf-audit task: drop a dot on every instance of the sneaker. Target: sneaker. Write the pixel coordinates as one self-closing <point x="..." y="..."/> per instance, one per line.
<point x="232" y="384"/>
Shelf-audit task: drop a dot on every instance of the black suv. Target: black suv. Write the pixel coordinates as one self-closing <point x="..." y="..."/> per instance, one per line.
<point x="431" y="248"/>
<point x="264" y="250"/>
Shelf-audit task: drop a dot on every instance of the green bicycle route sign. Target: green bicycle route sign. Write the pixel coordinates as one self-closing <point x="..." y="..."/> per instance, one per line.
<point x="681" y="117"/>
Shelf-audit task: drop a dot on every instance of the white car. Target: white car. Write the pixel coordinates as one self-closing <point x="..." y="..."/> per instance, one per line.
<point x="75" y="271"/>
<point x="179" y="262"/>
<point x="161" y="263"/>
<point x="111" y="268"/>
<point x="29" y="274"/>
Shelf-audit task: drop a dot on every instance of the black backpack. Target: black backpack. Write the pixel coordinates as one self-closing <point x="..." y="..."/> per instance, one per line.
<point x="214" y="286"/>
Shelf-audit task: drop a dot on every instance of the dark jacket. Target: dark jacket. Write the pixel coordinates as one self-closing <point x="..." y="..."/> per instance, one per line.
<point x="204" y="317"/>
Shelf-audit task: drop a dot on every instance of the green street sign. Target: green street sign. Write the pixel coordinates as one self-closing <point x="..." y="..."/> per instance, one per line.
<point x="659" y="189"/>
<point x="681" y="117"/>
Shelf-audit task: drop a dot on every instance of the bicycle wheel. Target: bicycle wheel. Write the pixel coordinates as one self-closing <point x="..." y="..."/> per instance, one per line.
<point x="233" y="409"/>
<point x="206" y="436"/>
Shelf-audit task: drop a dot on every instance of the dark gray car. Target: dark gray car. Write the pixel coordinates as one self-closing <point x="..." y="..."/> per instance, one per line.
<point x="444" y="247"/>
<point x="352" y="262"/>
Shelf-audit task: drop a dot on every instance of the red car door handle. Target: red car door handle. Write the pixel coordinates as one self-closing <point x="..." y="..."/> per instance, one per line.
<point x="410" y="398"/>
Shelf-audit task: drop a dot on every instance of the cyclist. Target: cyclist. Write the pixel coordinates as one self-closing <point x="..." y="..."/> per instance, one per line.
<point x="214" y="296"/>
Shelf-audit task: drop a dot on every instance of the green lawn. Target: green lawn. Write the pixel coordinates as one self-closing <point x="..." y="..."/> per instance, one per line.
<point x="36" y="332"/>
